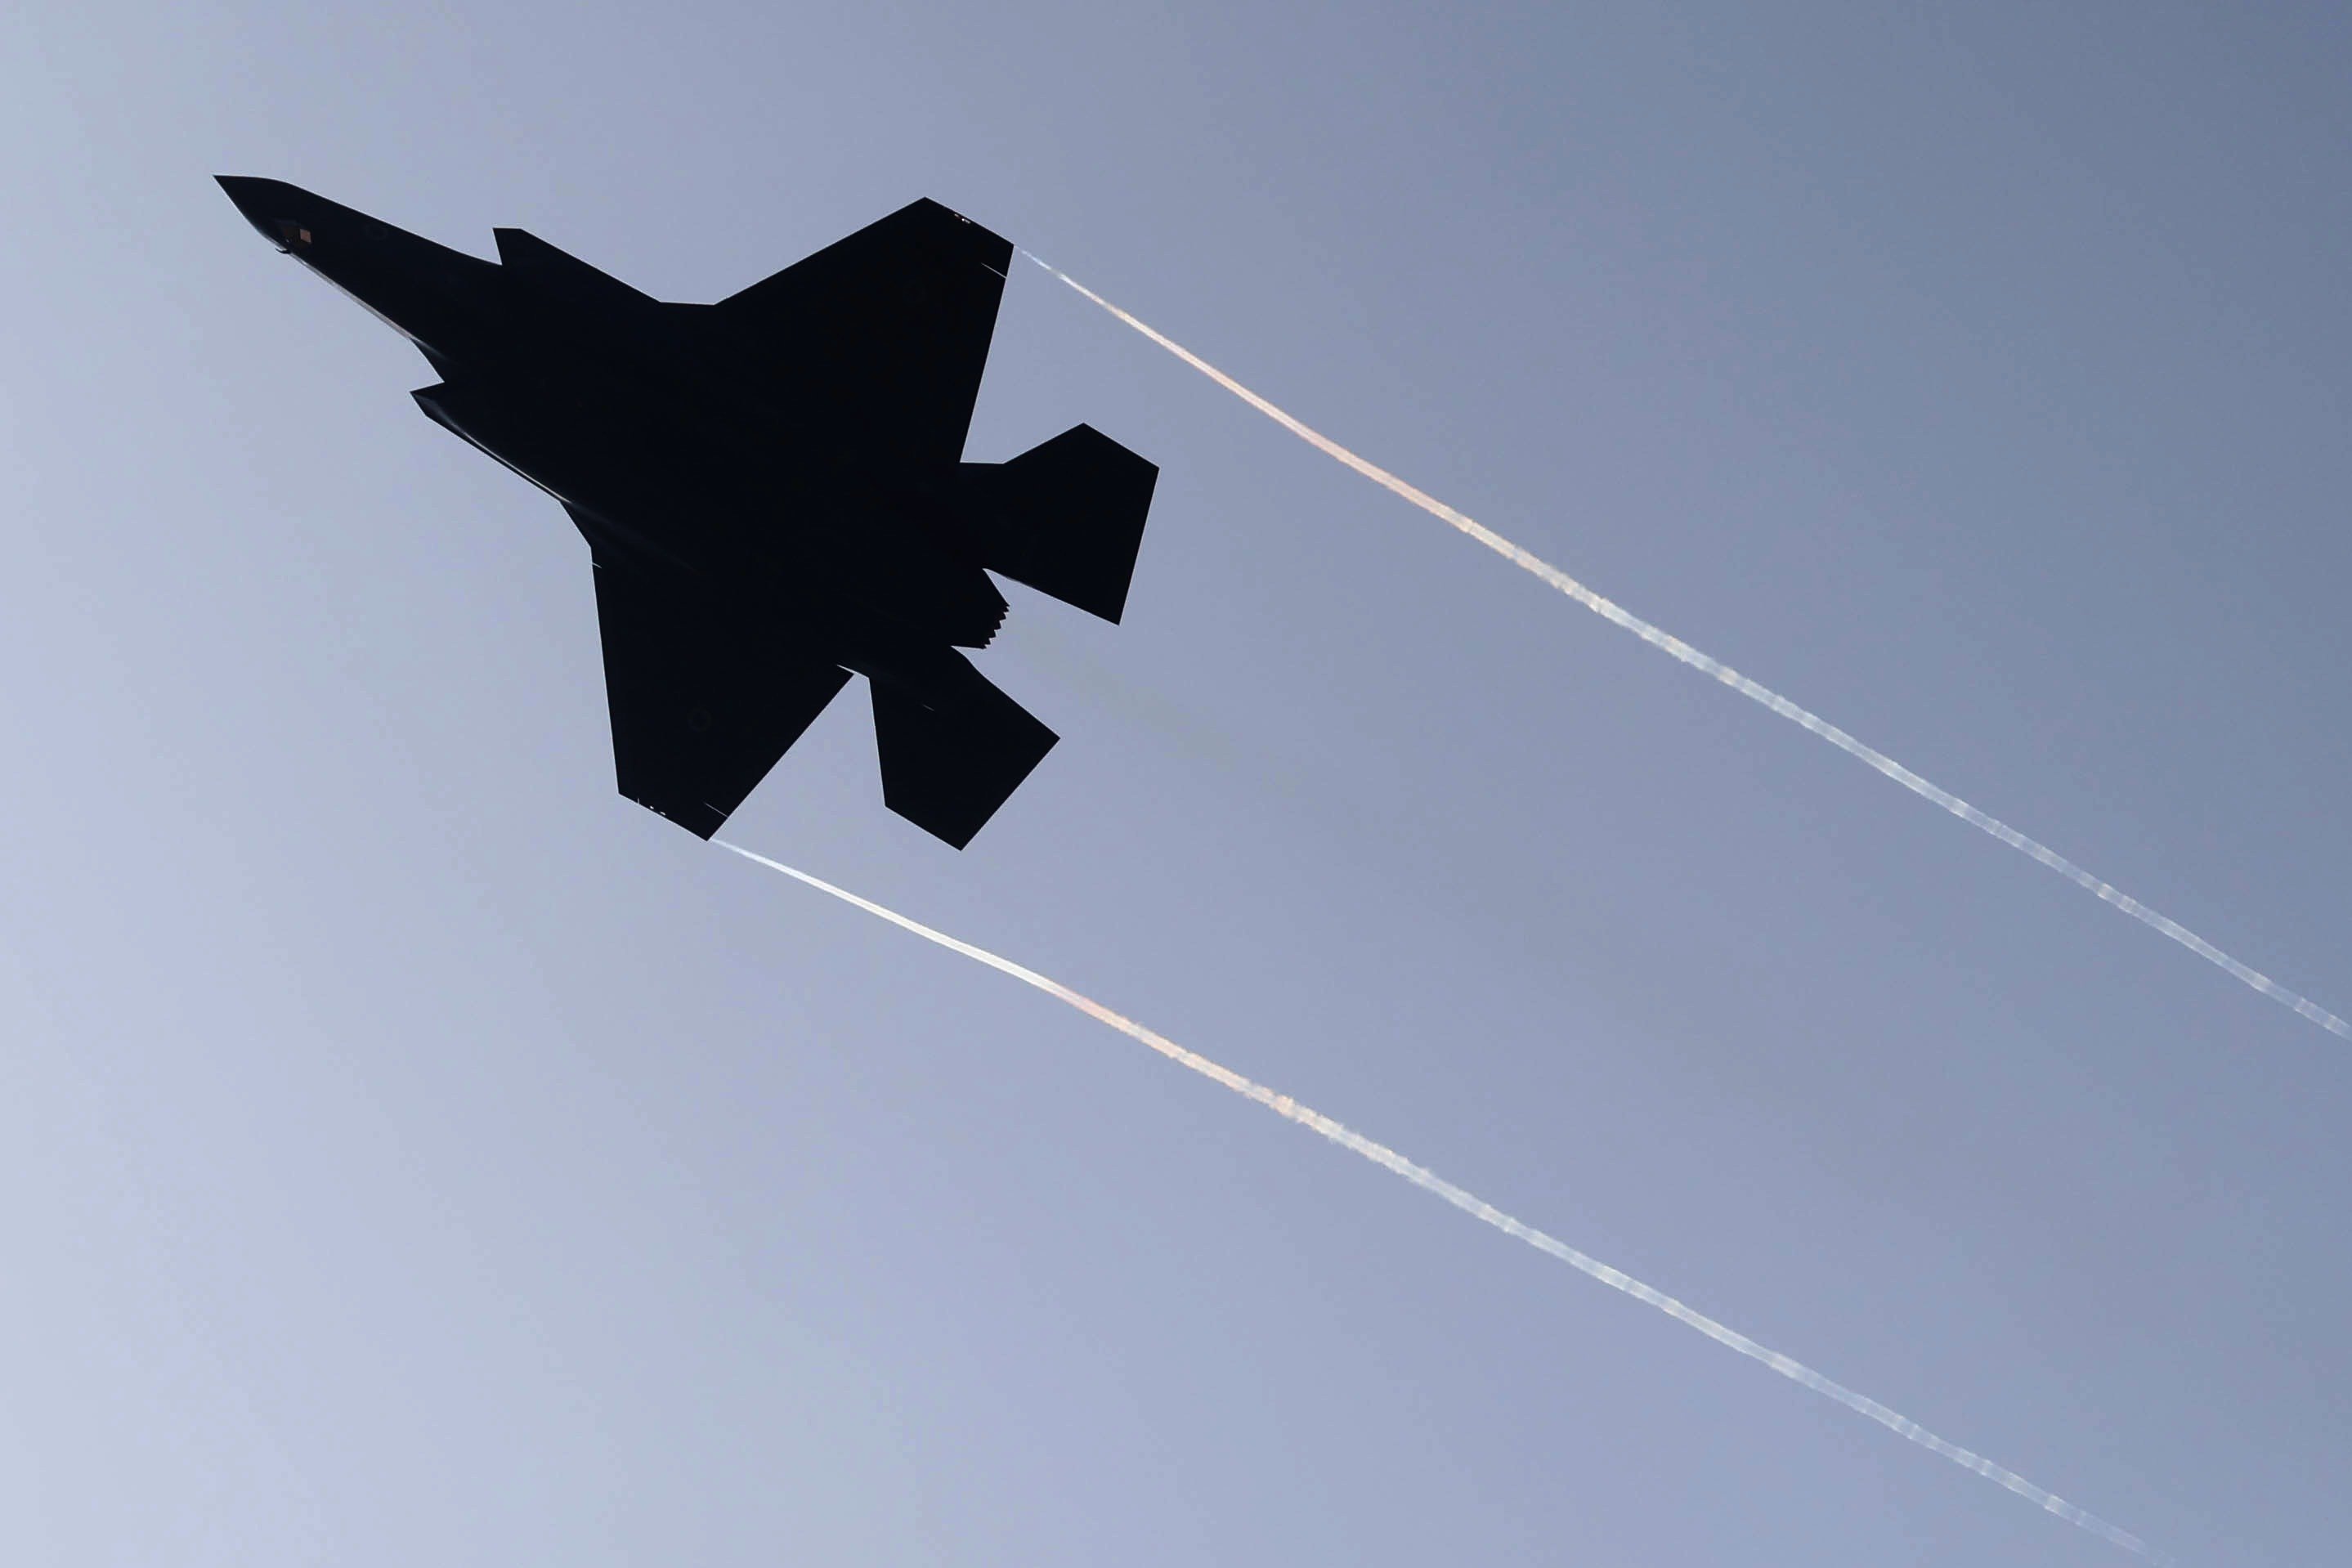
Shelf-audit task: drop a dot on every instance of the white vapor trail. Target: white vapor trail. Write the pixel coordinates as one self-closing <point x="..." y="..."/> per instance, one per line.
<point x="1428" y="1180"/>
<point x="1617" y="615"/>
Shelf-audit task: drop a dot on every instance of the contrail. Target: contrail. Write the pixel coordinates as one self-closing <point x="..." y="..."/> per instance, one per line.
<point x="1428" y="1180"/>
<point x="1617" y="615"/>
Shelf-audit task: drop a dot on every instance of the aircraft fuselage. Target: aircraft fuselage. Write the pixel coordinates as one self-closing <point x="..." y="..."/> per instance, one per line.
<point x="662" y="440"/>
<point x="773" y="488"/>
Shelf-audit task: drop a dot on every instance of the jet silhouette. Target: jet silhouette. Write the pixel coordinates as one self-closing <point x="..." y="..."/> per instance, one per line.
<point x="773" y="488"/>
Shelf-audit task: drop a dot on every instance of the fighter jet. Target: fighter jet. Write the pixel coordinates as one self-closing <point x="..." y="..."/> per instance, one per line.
<point x="773" y="488"/>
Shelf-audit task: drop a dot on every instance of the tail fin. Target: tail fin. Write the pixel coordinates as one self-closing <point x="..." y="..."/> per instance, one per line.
<point x="949" y="758"/>
<point x="1067" y="518"/>
<point x="531" y="258"/>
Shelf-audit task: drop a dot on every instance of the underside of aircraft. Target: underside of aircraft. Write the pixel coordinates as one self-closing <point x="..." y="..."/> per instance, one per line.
<point x="773" y="488"/>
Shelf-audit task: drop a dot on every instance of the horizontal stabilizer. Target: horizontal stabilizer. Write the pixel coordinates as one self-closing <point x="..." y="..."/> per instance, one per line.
<point x="948" y="762"/>
<point x="1067" y="518"/>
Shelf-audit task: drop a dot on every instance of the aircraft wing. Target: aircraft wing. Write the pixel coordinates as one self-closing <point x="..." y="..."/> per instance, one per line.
<point x="879" y="340"/>
<point x="703" y="702"/>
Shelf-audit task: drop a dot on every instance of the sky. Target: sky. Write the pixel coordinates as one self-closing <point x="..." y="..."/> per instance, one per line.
<point x="411" y="1151"/>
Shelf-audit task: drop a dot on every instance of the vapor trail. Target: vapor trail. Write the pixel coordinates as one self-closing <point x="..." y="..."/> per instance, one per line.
<point x="1617" y="615"/>
<point x="1381" y="1154"/>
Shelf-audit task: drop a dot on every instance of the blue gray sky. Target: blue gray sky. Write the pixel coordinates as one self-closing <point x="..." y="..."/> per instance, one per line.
<point x="410" y="1151"/>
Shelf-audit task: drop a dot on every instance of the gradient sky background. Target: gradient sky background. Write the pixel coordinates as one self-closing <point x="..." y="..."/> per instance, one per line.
<point x="410" y="1152"/>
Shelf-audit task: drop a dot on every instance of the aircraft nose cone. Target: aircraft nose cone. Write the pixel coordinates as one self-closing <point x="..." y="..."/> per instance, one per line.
<point x="281" y="214"/>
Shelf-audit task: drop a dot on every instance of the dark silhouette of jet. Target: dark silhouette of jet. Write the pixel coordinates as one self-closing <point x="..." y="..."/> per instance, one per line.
<point x="773" y="488"/>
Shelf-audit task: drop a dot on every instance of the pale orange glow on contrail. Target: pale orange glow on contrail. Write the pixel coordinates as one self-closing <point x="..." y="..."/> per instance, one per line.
<point x="1428" y="1180"/>
<point x="1617" y="615"/>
